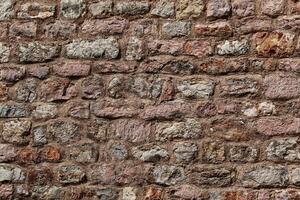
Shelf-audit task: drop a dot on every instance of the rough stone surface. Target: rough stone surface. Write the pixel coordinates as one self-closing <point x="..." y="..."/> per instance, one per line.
<point x="36" y="52"/>
<point x="218" y="8"/>
<point x="26" y="29"/>
<point x="65" y="131"/>
<point x="6" y="9"/>
<point x="132" y="7"/>
<point x="104" y="26"/>
<point x="243" y="8"/>
<point x="185" y="151"/>
<point x="168" y="175"/>
<point x="41" y="10"/>
<point x="72" y="9"/>
<point x="196" y="89"/>
<point x="164" y="9"/>
<point x="107" y="48"/>
<point x="272" y="8"/>
<point x="149" y="99"/>
<point x="265" y="176"/>
<point x="243" y="153"/>
<point x="278" y="125"/>
<point x="59" y="29"/>
<point x="191" y="129"/>
<point x="214" y="29"/>
<point x="101" y="9"/>
<point x="72" y="69"/>
<point x="240" y="86"/>
<point x="280" y="86"/>
<point x="151" y="155"/>
<point x="176" y="29"/>
<point x="189" y="8"/>
<point x="8" y="153"/>
<point x="134" y="49"/>
<point x="16" y="131"/>
<point x="4" y="53"/>
<point x="283" y="149"/>
<point x="70" y="174"/>
<point x="278" y="43"/>
<point x="10" y="173"/>
<point x="234" y="47"/>
<point x="212" y="176"/>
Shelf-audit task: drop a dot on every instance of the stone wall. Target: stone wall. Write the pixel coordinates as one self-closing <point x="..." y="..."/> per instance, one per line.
<point x="149" y="100"/>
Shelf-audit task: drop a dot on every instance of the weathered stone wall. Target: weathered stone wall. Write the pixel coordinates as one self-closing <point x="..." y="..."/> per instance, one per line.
<point x="149" y="100"/>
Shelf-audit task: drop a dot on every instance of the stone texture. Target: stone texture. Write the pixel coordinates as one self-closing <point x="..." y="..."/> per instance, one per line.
<point x="72" y="69"/>
<point x="6" y="9"/>
<point x="8" y="153"/>
<point x="164" y="8"/>
<point x="243" y="8"/>
<point x="265" y="176"/>
<point x="214" y="29"/>
<point x="35" y="52"/>
<point x="41" y="11"/>
<point x="277" y="43"/>
<point x="294" y="176"/>
<point x="272" y="8"/>
<point x="219" y="176"/>
<point x="59" y="29"/>
<point x="4" y="53"/>
<point x="176" y="29"/>
<point x="185" y="151"/>
<point x="131" y="130"/>
<point x="72" y="9"/>
<point x="104" y="26"/>
<point x="243" y="153"/>
<point x="25" y="91"/>
<point x="234" y="47"/>
<point x="198" y="48"/>
<point x="92" y="87"/>
<point x="189" y="8"/>
<point x="65" y="131"/>
<point x="134" y="49"/>
<point x="278" y="125"/>
<point x="83" y="153"/>
<point x="78" y="109"/>
<point x="150" y="155"/>
<point x="191" y="129"/>
<point x="10" y="173"/>
<point x="70" y="174"/>
<point x="13" y="110"/>
<point x="16" y="131"/>
<point x="132" y="7"/>
<point x="107" y="48"/>
<point x="54" y="89"/>
<point x="119" y="151"/>
<point x="218" y="8"/>
<point x="101" y="9"/>
<point x="168" y="175"/>
<point x="164" y="111"/>
<point x="26" y="29"/>
<point x="45" y="111"/>
<point x="279" y="86"/>
<point x="240" y="86"/>
<point x="149" y="99"/>
<point x="213" y="152"/>
<point x="196" y="89"/>
<point x="283" y="149"/>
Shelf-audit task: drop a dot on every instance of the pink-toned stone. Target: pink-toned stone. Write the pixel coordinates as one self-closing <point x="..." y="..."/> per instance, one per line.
<point x="104" y="26"/>
<point x="198" y="48"/>
<point x="280" y="86"/>
<point x="72" y="69"/>
<point x="281" y="126"/>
